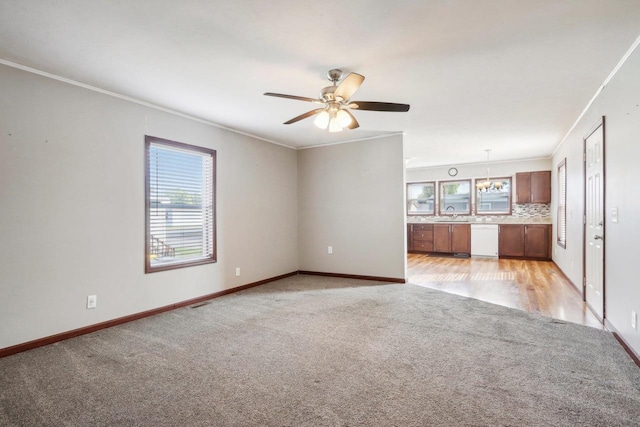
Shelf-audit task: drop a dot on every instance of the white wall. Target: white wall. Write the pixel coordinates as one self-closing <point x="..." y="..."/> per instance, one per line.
<point x="619" y="102"/>
<point x="72" y="208"/>
<point x="351" y="197"/>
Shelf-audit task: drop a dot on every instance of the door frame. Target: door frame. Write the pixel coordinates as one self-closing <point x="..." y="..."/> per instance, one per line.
<point x="600" y="123"/>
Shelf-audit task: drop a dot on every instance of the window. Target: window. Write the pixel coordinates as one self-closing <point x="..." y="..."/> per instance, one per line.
<point x="562" y="203"/>
<point x="179" y="205"/>
<point x="455" y="197"/>
<point x="493" y="196"/>
<point x="421" y="198"/>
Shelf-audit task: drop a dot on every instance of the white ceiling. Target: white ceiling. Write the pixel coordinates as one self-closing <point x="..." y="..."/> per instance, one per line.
<point x="509" y="75"/>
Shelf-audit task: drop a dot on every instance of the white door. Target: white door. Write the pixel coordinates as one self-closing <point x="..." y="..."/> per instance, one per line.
<point x="594" y="223"/>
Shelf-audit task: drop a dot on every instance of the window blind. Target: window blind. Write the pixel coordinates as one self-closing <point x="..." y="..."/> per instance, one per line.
<point x="562" y="204"/>
<point x="180" y="205"/>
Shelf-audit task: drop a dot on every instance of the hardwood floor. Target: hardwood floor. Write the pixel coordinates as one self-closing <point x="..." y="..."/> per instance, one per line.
<point x="534" y="286"/>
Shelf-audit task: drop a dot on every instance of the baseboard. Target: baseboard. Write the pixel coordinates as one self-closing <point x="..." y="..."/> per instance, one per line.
<point x="355" y="276"/>
<point x="635" y="356"/>
<point x="18" y="348"/>
<point x="573" y="285"/>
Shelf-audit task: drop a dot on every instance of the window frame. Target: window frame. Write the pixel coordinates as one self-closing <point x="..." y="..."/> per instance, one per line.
<point x="435" y="198"/>
<point x="494" y="213"/>
<point x="561" y="225"/>
<point x="440" y="183"/>
<point x="148" y="268"/>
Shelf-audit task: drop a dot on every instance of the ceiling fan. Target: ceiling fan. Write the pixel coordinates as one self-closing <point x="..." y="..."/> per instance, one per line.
<point x="336" y="99"/>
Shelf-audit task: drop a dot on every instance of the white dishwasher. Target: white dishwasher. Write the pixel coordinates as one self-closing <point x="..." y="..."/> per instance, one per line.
<point x="484" y="240"/>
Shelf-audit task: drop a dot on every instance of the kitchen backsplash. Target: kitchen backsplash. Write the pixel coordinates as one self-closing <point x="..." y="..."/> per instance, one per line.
<point x="531" y="210"/>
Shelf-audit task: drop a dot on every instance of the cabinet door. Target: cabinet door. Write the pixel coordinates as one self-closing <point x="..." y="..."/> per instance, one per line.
<point x="442" y="238"/>
<point x="409" y="237"/>
<point x="461" y="238"/>
<point x="523" y="187"/>
<point x="536" y="241"/>
<point x="541" y="187"/>
<point x="511" y="240"/>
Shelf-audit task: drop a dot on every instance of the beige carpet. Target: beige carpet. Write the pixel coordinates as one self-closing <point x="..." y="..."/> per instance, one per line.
<point x="316" y="351"/>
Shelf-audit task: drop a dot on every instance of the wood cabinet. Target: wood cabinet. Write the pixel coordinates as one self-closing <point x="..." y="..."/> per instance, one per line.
<point x="533" y="187"/>
<point x="525" y="241"/>
<point x="420" y="237"/>
<point x="461" y="238"/>
<point x="511" y="240"/>
<point x="444" y="238"/>
<point x="452" y="238"/>
<point x="537" y="239"/>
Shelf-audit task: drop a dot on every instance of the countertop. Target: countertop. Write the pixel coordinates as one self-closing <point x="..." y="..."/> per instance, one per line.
<point x="476" y="220"/>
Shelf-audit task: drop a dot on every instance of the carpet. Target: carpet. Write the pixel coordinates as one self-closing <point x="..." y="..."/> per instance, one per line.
<point x="318" y="351"/>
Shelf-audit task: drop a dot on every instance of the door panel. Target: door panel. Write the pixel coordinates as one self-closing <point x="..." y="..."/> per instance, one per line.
<point x="511" y="240"/>
<point x="461" y="238"/>
<point x="523" y="187"/>
<point x="594" y="221"/>
<point x="536" y="241"/>
<point x="541" y="187"/>
<point x="441" y="238"/>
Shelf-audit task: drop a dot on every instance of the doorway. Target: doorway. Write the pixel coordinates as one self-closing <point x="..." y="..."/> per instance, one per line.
<point x="594" y="224"/>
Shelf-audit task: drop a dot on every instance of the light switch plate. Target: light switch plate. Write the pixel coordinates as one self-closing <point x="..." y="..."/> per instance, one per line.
<point x="92" y="301"/>
<point x="614" y="215"/>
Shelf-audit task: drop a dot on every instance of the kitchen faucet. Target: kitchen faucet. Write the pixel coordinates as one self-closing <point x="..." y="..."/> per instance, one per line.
<point x="454" y="211"/>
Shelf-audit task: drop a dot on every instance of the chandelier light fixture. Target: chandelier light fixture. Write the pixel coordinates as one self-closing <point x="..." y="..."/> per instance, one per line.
<point x="486" y="185"/>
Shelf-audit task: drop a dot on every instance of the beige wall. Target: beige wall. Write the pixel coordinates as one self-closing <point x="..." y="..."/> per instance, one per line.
<point x="351" y="197"/>
<point x="72" y="208"/>
<point x="619" y="103"/>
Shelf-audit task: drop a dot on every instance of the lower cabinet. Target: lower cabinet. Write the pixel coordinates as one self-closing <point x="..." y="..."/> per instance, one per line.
<point x="525" y="241"/>
<point x="420" y="237"/>
<point x="443" y="238"/>
<point x="461" y="238"/>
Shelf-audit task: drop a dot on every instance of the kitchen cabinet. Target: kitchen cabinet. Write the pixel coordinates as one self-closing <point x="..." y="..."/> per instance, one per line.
<point x="420" y="237"/>
<point x="444" y="238"/>
<point x="452" y="238"/>
<point x="525" y="241"/>
<point x="537" y="239"/>
<point x="533" y="187"/>
<point x="511" y="240"/>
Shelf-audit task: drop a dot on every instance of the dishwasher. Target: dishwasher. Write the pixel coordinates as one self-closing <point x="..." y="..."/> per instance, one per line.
<point x="484" y="240"/>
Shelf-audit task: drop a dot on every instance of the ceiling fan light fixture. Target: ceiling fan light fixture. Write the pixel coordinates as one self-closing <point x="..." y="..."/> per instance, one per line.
<point x="334" y="125"/>
<point x="344" y="119"/>
<point x="322" y="120"/>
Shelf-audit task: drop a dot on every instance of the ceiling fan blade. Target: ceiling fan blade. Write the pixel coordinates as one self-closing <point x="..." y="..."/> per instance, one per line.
<point x="378" y="106"/>
<point x="354" y="123"/>
<point x="298" y="98"/>
<point x="304" y="116"/>
<point x="349" y="86"/>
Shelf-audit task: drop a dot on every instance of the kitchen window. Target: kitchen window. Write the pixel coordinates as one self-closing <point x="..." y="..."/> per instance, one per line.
<point x="493" y="196"/>
<point x="455" y="197"/>
<point x="421" y="198"/>
<point x="179" y="205"/>
<point x="562" y="204"/>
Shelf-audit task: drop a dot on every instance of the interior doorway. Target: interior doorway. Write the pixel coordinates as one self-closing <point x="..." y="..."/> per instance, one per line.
<point x="594" y="224"/>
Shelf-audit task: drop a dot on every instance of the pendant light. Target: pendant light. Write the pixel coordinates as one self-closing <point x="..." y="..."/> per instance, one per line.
<point x="486" y="184"/>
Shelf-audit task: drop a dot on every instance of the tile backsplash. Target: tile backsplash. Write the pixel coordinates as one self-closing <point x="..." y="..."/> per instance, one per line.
<point x="531" y="210"/>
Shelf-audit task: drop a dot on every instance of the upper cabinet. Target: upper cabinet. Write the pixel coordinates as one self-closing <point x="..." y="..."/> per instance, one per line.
<point x="533" y="187"/>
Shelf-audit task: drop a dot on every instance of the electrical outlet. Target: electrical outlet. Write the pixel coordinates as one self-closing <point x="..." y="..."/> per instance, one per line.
<point x="92" y="301"/>
<point x="237" y="271"/>
<point x="634" y="320"/>
<point x="330" y="250"/>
